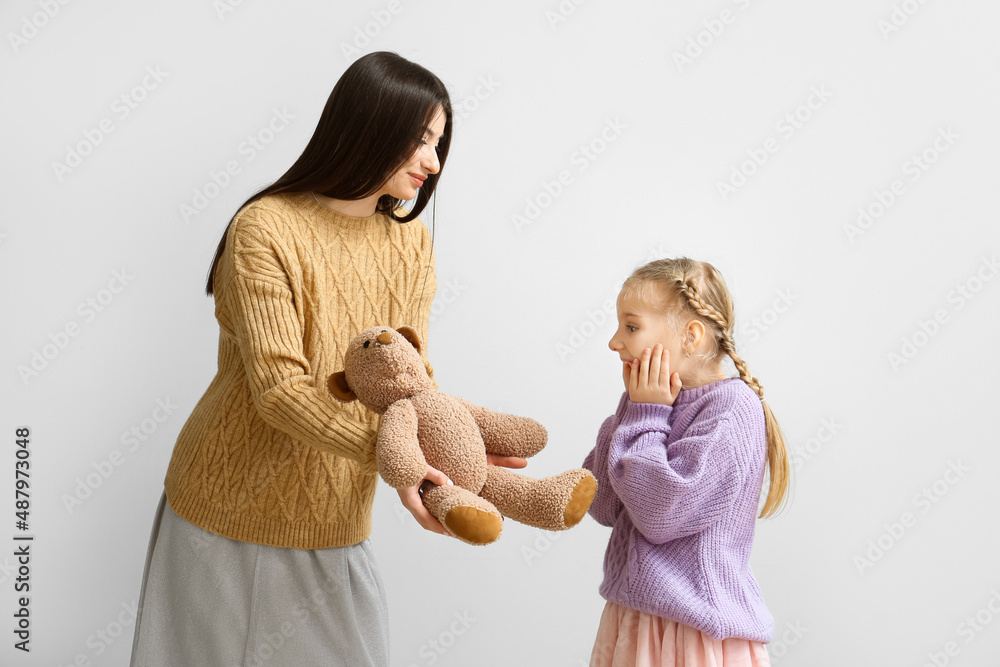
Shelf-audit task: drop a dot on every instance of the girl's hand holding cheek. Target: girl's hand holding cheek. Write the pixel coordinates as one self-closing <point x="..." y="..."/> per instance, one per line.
<point x="648" y="380"/>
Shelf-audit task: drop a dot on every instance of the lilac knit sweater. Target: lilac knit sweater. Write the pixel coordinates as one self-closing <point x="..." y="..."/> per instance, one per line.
<point x="688" y="478"/>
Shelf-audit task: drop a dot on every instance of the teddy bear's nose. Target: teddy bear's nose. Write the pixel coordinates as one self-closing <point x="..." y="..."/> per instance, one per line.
<point x="385" y="338"/>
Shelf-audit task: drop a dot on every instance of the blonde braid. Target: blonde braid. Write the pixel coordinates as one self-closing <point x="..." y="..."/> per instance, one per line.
<point x="703" y="309"/>
<point x="726" y="342"/>
<point x="729" y="347"/>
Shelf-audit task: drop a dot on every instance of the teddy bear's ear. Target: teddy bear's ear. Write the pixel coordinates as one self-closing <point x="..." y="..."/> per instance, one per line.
<point x="337" y="384"/>
<point x="410" y="334"/>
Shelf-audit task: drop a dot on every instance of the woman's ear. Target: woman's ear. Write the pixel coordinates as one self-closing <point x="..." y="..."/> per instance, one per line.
<point x="410" y="334"/>
<point x="337" y="384"/>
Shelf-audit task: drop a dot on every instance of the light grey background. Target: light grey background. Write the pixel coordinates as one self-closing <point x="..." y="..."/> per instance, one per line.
<point x="821" y="309"/>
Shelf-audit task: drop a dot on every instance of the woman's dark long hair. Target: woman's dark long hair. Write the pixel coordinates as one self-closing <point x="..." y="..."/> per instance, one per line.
<point x="370" y="127"/>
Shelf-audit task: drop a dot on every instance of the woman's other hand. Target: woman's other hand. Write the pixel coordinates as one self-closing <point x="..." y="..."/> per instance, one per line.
<point x="410" y="497"/>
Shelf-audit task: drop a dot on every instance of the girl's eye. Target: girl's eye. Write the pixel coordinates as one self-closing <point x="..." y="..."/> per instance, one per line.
<point x="631" y="328"/>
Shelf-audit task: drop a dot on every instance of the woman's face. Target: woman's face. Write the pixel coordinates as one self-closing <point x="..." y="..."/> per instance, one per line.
<point x="405" y="183"/>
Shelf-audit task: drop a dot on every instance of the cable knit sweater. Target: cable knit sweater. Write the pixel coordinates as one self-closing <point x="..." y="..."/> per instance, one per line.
<point x="680" y="486"/>
<point x="268" y="455"/>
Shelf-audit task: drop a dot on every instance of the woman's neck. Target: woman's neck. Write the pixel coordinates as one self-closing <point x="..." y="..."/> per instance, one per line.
<point x="360" y="208"/>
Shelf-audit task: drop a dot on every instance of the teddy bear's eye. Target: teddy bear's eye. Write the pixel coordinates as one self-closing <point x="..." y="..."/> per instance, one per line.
<point x="367" y="343"/>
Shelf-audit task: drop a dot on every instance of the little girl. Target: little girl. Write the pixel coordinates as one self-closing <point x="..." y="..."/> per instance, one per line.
<point x="680" y="467"/>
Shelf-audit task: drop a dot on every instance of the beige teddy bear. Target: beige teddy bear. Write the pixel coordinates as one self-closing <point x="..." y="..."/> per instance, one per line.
<point x="422" y="426"/>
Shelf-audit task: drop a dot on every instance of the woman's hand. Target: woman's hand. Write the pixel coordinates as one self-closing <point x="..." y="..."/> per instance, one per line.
<point x="648" y="380"/>
<point x="410" y="497"/>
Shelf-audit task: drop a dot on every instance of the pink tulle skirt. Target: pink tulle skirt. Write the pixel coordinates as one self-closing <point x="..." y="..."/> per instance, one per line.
<point x="627" y="637"/>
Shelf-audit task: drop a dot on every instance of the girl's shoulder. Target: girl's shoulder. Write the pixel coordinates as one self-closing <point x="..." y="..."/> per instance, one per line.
<point x="731" y="397"/>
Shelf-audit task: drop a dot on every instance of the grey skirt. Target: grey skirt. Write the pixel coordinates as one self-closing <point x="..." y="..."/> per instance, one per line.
<point x="213" y="601"/>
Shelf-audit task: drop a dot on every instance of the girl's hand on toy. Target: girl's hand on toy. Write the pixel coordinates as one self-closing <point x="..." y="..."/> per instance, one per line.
<point x="506" y="461"/>
<point x="648" y="379"/>
<point x="410" y="497"/>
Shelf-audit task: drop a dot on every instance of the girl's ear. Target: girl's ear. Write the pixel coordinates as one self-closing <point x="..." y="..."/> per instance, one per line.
<point x="693" y="333"/>
<point x="410" y="334"/>
<point x="337" y="384"/>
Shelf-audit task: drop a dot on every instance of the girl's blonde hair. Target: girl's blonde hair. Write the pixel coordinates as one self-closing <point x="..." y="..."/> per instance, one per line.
<point x="696" y="290"/>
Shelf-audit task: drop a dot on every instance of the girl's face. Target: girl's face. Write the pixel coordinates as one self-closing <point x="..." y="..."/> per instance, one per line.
<point x="406" y="182"/>
<point x="641" y="326"/>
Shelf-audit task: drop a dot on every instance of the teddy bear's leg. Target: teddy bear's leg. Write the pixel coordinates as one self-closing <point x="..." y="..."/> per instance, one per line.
<point x="466" y="516"/>
<point x="552" y="503"/>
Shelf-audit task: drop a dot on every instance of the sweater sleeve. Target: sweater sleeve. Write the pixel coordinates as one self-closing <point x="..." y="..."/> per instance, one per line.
<point x="269" y="334"/>
<point x="671" y="491"/>
<point x="606" y="505"/>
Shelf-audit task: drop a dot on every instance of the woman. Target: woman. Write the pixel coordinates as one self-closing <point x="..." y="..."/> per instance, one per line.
<point x="259" y="551"/>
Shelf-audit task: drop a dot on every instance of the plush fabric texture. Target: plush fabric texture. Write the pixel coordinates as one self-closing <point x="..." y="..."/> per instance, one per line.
<point x="422" y="426"/>
<point x="267" y="455"/>
<point x="680" y="485"/>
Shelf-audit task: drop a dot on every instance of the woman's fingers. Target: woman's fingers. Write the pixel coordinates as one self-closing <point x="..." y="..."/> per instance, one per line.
<point x="506" y="461"/>
<point x="412" y="501"/>
<point x="437" y="477"/>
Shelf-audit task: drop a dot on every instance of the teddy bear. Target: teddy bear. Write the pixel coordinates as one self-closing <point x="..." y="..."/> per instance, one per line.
<point x="421" y="426"/>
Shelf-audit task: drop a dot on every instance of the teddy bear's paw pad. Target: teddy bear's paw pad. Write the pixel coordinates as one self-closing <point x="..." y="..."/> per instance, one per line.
<point x="473" y="525"/>
<point x="579" y="500"/>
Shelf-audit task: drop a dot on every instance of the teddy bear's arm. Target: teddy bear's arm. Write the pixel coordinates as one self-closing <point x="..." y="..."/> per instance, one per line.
<point x="401" y="463"/>
<point x="508" y="435"/>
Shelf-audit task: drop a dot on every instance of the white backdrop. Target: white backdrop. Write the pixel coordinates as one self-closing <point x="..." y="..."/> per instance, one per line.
<point x="834" y="160"/>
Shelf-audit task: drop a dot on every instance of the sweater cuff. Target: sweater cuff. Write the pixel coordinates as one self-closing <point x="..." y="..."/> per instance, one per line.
<point x="645" y="412"/>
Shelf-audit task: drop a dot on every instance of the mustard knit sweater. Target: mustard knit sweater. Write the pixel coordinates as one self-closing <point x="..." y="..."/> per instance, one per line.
<point x="268" y="455"/>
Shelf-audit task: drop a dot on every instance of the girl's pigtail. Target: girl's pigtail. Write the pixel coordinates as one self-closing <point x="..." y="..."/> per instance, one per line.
<point x="777" y="453"/>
